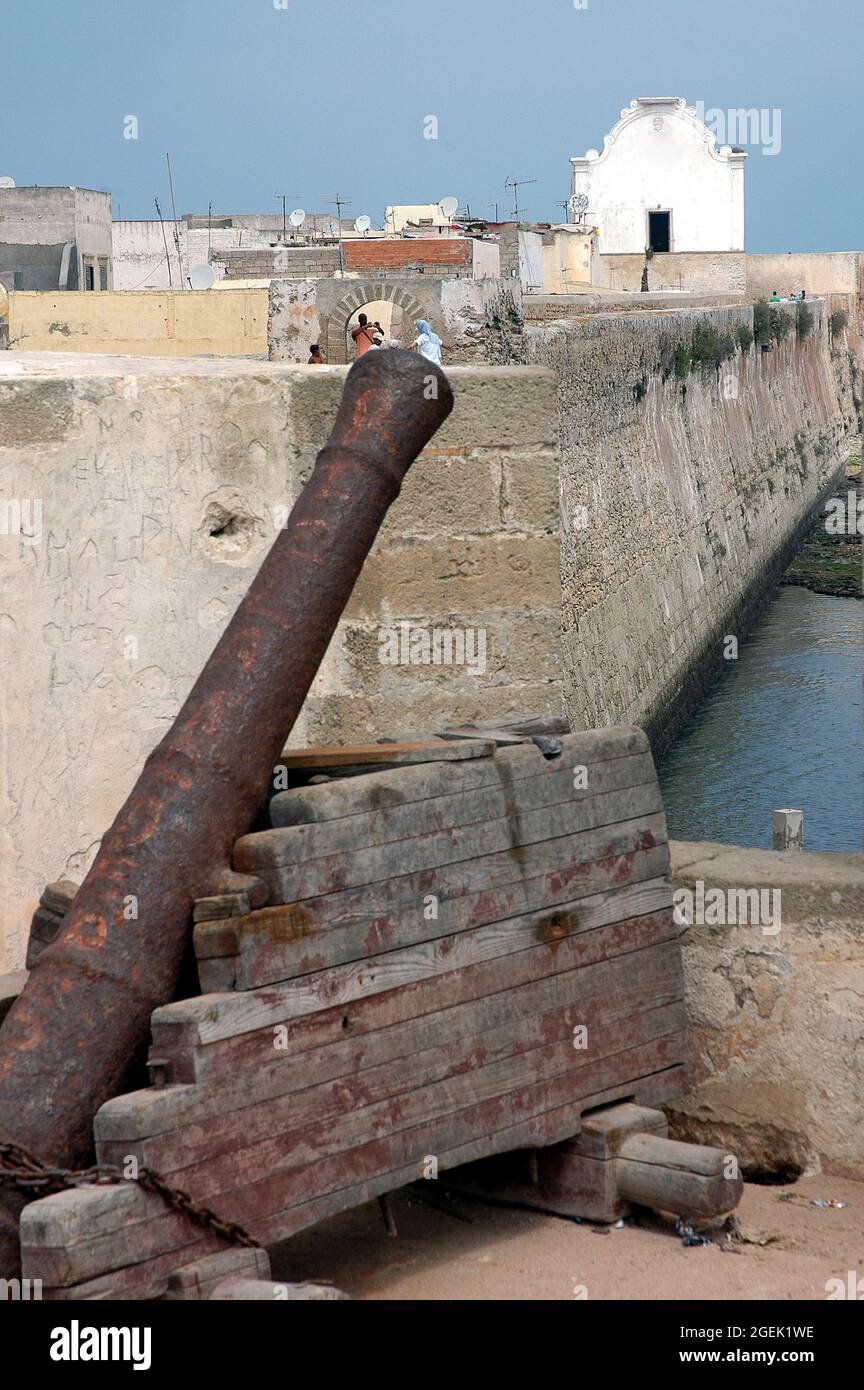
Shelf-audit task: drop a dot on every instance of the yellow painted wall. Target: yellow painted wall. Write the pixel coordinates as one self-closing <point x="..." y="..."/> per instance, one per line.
<point x="566" y="260"/>
<point x="140" y="323"/>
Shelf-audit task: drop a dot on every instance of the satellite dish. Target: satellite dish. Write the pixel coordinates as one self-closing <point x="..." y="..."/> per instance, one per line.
<point x="201" y="277"/>
<point x="297" y="217"/>
<point x="331" y="229"/>
<point x="362" y="224"/>
<point x="6" y="182"/>
<point x="448" y="206"/>
<point x="577" y="204"/>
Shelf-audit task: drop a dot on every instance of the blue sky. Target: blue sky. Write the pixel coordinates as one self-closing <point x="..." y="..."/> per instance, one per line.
<point x="327" y="95"/>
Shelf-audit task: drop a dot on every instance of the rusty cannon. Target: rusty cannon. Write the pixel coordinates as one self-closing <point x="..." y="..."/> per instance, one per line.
<point x="84" y="1014"/>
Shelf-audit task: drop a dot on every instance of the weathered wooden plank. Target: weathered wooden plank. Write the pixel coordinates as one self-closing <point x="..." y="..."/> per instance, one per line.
<point x="354" y="1073"/>
<point x="502" y="738"/>
<point x="603" y="1134"/>
<point x="221" y="907"/>
<point x="385" y="825"/>
<point x="116" y="1278"/>
<point x="375" y="790"/>
<point x="549" y="725"/>
<point x="199" y="1279"/>
<point x="431" y="750"/>
<point x="57" y="897"/>
<point x="82" y="1234"/>
<point x="177" y="1033"/>
<point x="287" y="941"/>
<point x="272" y="857"/>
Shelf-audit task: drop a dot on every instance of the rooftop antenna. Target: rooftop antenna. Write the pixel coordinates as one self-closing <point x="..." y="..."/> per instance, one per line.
<point x="174" y="215"/>
<point x="339" y="203"/>
<point x="516" y="184"/>
<point x="165" y="239"/>
<point x="283" y="196"/>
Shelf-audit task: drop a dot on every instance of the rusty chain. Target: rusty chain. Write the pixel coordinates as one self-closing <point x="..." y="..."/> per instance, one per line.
<point x="28" y="1174"/>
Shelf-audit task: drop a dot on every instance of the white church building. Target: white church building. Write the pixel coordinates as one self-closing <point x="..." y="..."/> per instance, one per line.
<point x="661" y="183"/>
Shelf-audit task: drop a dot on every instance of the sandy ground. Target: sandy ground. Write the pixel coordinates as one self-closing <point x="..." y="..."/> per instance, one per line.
<point x="505" y="1253"/>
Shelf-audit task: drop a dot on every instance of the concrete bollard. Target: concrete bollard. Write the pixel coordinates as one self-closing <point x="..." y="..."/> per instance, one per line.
<point x="788" y="829"/>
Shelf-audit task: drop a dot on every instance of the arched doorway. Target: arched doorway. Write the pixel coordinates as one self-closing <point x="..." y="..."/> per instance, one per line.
<point x="364" y="297"/>
<point x="385" y="312"/>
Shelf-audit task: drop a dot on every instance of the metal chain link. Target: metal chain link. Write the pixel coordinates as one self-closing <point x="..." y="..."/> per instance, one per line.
<point x="26" y="1173"/>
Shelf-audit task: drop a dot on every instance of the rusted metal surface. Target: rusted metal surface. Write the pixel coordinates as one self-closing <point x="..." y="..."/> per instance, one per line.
<point x="66" y="1045"/>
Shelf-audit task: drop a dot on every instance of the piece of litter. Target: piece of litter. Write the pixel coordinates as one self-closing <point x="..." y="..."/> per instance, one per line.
<point x="823" y="1202"/>
<point x="684" y="1228"/>
<point x="619" y="1224"/>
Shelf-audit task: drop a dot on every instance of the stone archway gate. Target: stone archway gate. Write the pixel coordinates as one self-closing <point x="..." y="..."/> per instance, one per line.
<point x="337" y="300"/>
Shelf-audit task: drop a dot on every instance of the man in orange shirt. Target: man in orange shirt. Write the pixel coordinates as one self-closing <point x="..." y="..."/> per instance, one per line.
<point x="365" y="335"/>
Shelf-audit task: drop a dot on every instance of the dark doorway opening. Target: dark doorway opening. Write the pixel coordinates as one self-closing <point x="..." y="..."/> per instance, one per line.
<point x="659" y="231"/>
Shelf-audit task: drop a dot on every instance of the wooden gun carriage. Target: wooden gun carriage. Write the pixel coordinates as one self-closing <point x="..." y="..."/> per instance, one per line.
<point x="471" y="953"/>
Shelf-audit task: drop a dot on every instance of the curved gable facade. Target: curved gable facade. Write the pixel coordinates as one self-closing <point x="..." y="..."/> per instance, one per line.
<point x="659" y="179"/>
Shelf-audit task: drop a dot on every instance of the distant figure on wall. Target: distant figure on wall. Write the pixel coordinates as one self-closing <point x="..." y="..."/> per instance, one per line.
<point x="644" y="286"/>
<point x="365" y="335"/>
<point x="315" y="358"/>
<point x="427" y="342"/>
<point x="775" y="298"/>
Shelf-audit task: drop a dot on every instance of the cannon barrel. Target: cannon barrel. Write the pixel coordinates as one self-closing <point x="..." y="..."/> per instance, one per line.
<point x="84" y="1014"/>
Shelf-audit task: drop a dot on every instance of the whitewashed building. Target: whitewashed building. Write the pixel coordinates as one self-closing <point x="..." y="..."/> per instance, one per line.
<point x="660" y="182"/>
